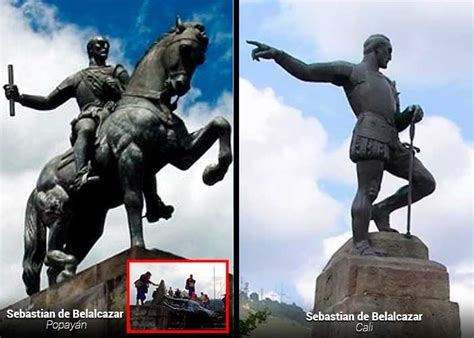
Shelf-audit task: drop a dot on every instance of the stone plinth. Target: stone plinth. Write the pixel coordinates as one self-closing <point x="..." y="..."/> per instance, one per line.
<point x="405" y="282"/>
<point x="151" y="317"/>
<point x="101" y="287"/>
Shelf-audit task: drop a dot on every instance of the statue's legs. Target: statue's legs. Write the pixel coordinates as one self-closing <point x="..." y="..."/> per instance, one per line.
<point x="200" y="141"/>
<point x="369" y="178"/>
<point x="84" y="129"/>
<point x="131" y="172"/>
<point x="423" y="185"/>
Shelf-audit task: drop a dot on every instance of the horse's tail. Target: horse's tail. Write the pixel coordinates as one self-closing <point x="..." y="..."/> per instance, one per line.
<point x="35" y="246"/>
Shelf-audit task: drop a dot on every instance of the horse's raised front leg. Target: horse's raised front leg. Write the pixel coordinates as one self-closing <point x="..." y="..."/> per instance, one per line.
<point x="200" y="141"/>
<point x="131" y="172"/>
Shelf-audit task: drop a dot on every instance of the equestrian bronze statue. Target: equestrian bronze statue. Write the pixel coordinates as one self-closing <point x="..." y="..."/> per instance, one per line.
<point x="375" y="144"/>
<point x="136" y="134"/>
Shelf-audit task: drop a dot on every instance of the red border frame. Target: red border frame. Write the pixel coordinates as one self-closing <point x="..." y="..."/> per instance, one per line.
<point x="127" y="316"/>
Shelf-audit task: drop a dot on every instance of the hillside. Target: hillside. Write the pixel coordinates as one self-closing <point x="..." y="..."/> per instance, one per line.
<point x="285" y="320"/>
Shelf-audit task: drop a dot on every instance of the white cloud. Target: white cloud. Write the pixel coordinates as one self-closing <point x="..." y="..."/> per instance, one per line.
<point x="305" y="279"/>
<point x="431" y="40"/>
<point x="273" y="295"/>
<point x="283" y="156"/>
<point x="283" y="211"/>
<point x="463" y="293"/>
<point x="202" y="226"/>
<point x="332" y="244"/>
<point x="140" y="24"/>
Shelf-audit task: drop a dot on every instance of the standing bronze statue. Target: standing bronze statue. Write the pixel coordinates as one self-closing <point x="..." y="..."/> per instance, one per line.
<point x="138" y="134"/>
<point x="375" y="144"/>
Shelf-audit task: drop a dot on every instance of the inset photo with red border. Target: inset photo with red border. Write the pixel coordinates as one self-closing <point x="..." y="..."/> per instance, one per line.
<point x="177" y="296"/>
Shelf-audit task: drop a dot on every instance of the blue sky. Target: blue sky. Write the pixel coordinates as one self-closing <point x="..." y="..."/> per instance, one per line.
<point x="138" y="23"/>
<point x="297" y="182"/>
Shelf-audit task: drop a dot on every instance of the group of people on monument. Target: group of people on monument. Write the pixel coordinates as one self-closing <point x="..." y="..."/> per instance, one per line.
<point x="142" y="284"/>
<point x="189" y="292"/>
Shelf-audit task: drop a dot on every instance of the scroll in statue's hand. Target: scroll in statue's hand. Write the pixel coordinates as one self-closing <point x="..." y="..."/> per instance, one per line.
<point x="11" y="92"/>
<point x="262" y="51"/>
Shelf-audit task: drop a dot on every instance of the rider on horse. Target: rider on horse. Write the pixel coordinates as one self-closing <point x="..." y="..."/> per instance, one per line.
<point x="92" y="87"/>
<point x="134" y="144"/>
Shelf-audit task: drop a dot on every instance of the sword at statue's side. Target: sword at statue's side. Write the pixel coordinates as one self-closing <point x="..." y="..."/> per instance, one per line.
<point x="410" y="175"/>
<point x="11" y="82"/>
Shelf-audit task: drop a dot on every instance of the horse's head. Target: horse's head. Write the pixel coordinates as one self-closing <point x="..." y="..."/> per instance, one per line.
<point x="185" y="49"/>
<point x="167" y="67"/>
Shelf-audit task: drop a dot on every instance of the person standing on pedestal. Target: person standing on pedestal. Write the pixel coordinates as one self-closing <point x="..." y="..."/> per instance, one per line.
<point x="190" y="285"/>
<point x="142" y="286"/>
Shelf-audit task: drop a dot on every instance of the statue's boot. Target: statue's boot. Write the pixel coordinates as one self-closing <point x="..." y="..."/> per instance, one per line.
<point x="381" y="218"/>
<point x="363" y="248"/>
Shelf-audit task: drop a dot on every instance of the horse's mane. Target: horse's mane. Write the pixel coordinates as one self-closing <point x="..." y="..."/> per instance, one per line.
<point x="164" y="36"/>
<point x="153" y="45"/>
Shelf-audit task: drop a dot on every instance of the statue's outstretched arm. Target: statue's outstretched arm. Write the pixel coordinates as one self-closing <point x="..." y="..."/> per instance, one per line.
<point x="53" y="100"/>
<point x="56" y="98"/>
<point x="337" y="72"/>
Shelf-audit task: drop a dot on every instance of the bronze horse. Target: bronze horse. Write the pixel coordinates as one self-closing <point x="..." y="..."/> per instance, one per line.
<point x="139" y="138"/>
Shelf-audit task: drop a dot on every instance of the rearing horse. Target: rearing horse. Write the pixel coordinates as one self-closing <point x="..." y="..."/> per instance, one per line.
<point x="138" y="139"/>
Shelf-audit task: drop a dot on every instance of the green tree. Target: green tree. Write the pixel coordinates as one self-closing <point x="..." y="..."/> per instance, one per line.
<point x="251" y="322"/>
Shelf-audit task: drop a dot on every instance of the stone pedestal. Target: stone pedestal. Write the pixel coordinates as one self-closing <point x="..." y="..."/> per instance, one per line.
<point x="152" y="317"/>
<point x="405" y="282"/>
<point x="101" y="287"/>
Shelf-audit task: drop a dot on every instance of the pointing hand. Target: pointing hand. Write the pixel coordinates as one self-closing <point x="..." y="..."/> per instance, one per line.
<point x="262" y="51"/>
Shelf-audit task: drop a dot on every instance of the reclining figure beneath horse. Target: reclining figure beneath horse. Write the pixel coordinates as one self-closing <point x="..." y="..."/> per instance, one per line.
<point x="133" y="143"/>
